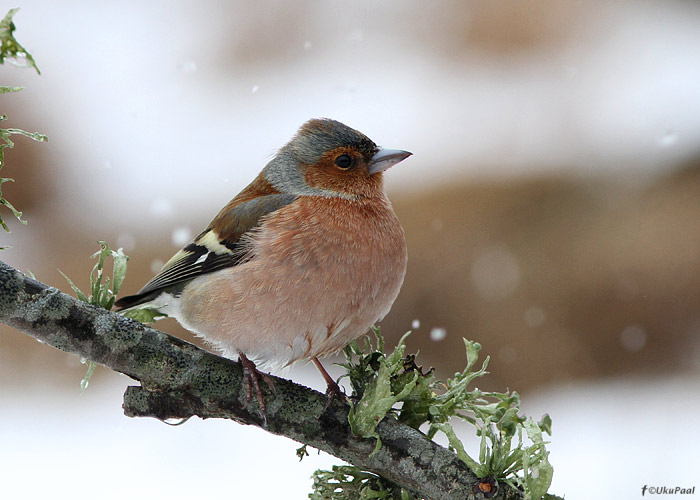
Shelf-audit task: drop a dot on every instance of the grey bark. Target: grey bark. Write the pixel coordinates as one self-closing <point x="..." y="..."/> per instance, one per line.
<point x="179" y="380"/>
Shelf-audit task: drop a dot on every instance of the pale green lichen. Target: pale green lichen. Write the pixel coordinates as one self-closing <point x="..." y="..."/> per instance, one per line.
<point x="116" y="339"/>
<point x="47" y="305"/>
<point x="144" y="314"/>
<point x="103" y="293"/>
<point x="393" y="385"/>
<point x="10" y="284"/>
<point x="60" y="342"/>
<point x="378" y="397"/>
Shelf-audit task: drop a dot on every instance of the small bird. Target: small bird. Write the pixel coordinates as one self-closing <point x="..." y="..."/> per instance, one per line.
<point x="301" y="262"/>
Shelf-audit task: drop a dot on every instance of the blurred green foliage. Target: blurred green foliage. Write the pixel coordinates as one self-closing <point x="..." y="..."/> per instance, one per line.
<point x="11" y="50"/>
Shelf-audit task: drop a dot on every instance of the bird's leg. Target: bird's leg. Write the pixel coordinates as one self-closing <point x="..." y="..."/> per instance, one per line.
<point x="333" y="389"/>
<point x="251" y="379"/>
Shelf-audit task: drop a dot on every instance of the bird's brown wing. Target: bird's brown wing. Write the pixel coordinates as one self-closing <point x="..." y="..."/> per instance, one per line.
<point x="217" y="247"/>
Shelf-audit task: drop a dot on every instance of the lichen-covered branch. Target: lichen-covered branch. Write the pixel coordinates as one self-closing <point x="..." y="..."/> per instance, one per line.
<point x="180" y="380"/>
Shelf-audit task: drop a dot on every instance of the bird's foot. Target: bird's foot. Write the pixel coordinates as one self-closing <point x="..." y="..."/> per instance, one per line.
<point x="251" y="379"/>
<point x="333" y="390"/>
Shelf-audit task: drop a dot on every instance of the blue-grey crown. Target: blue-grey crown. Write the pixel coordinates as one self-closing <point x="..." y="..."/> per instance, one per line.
<point x="311" y="141"/>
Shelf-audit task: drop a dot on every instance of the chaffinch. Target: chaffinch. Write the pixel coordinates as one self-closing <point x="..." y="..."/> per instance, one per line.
<point x="301" y="262"/>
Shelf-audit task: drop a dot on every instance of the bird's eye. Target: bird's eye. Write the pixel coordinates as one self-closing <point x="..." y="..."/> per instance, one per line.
<point x="343" y="161"/>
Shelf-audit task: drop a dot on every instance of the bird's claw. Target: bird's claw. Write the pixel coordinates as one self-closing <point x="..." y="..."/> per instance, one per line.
<point x="334" y="391"/>
<point x="251" y="379"/>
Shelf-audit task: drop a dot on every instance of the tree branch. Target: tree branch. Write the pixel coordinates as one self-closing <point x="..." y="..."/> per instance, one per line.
<point x="180" y="380"/>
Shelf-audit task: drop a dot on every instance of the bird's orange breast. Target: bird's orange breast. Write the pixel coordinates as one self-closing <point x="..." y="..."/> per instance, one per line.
<point x="320" y="272"/>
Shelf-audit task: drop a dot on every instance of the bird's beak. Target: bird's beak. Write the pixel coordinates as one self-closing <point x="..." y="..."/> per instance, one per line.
<point x="385" y="158"/>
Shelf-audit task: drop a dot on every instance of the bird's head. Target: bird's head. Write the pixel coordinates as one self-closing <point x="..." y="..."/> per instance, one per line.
<point x="328" y="158"/>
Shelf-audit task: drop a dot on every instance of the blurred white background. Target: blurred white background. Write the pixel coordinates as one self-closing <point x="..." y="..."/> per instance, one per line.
<point x="159" y="112"/>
